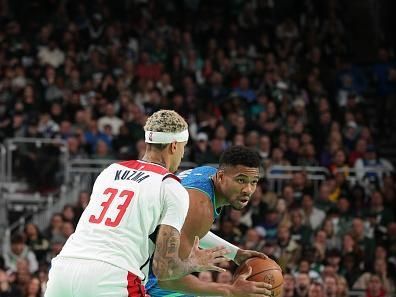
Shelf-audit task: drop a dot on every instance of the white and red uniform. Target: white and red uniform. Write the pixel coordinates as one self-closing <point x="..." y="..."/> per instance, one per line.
<point x="109" y="253"/>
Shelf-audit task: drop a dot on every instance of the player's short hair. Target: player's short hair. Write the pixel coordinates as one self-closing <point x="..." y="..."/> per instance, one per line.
<point x="165" y="121"/>
<point x="239" y="155"/>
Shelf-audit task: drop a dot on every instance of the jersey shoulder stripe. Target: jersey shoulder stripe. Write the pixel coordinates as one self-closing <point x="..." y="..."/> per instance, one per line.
<point x="143" y="166"/>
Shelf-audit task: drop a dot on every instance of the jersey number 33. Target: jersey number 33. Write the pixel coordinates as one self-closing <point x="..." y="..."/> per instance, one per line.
<point x="123" y="200"/>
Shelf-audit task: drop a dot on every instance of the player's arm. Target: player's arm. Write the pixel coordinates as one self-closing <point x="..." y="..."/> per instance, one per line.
<point x="236" y="254"/>
<point x="167" y="263"/>
<point x="198" y="221"/>
<point x="190" y="284"/>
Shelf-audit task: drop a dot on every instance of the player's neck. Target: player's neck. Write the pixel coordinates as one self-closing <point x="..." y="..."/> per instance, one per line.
<point x="220" y="199"/>
<point x="155" y="158"/>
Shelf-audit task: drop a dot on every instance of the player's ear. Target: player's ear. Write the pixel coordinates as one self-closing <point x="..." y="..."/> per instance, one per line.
<point x="220" y="174"/>
<point x="173" y="147"/>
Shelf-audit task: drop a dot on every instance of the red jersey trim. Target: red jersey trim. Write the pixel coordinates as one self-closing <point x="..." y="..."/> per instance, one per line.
<point x="134" y="286"/>
<point x="171" y="175"/>
<point x="143" y="166"/>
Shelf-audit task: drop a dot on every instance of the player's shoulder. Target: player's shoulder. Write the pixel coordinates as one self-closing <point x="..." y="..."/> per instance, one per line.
<point x="197" y="172"/>
<point x="198" y="196"/>
<point x="171" y="182"/>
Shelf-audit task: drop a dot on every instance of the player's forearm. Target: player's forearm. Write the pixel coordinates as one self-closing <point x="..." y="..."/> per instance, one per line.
<point x="171" y="269"/>
<point x="166" y="262"/>
<point x="211" y="240"/>
<point x="190" y="284"/>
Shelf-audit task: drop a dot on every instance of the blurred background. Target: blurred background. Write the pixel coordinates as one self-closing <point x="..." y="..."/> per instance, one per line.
<point x="309" y="84"/>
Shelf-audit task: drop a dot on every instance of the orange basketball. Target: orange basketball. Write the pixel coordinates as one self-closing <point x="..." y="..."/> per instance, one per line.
<point x="267" y="271"/>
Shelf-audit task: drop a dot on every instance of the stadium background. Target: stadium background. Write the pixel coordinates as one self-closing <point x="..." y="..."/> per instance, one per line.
<point x="309" y="84"/>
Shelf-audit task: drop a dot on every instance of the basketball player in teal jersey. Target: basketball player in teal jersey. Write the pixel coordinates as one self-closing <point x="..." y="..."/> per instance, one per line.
<point x="209" y="190"/>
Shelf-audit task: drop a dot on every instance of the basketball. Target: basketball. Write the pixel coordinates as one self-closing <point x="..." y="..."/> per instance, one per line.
<point x="263" y="270"/>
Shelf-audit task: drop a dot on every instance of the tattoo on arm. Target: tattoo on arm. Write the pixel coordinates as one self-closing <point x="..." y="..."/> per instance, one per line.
<point x="166" y="262"/>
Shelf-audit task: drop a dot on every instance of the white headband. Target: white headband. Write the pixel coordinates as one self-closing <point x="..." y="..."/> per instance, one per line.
<point x="165" y="137"/>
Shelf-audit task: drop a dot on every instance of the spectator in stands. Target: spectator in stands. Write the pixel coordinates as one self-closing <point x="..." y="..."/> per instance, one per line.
<point x="323" y="201"/>
<point x="22" y="274"/>
<point x="319" y="243"/>
<point x="330" y="286"/>
<point x="375" y="287"/>
<point x="93" y="135"/>
<point x="308" y="156"/>
<point x="305" y="266"/>
<point x="313" y="216"/>
<point x="299" y="232"/>
<point x="303" y="283"/>
<point x="67" y="229"/>
<point x="292" y="153"/>
<point x="333" y="259"/>
<point x="277" y="158"/>
<point x="56" y="245"/>
<point x="301" y="185"/>
<point x="8" y="289"/>
<point x="363" y="239"/>
<point x="339" y="163"/>
<point x="102" y="151"/>
<point x="358" y="152"/>
<point x="111" y="119"/>
<point x="51" y="54"/>
<point x="333" y="241"/>
<point x="264" y="149"/>
<point x="18" y="250"/>
<point x="290" y="250"/>
<point x="350" y="268"/>
<point x="384" y="73"/>
<point x="259" y="203"/>
<point x="75" y="148"/>
<point x="252" y="240"/>
<point x="289" y="197"/>
<point x="370" y="169"/>
<point x="33" y="288"/>
<point x="288" y="285"/>
<point x="200" y="151"/>
<point x="55" y="226"/>
<point x="82" y="203"/>
<point x="270" y="224"/>
<point x="316" y="289"/>
<point x="342" y="287"/>
<point x="37" y="243"/>
<point x="390" y="241"/>
<point x="380" y="271"/>
<point x="381" y="216"/>
<point x="283" y="213"/>
<point x="227" y="231"/>
<point x="68" y="213"/>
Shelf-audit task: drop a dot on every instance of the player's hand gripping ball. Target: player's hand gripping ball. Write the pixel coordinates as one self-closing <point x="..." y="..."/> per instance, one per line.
<point x="263" y="270"/>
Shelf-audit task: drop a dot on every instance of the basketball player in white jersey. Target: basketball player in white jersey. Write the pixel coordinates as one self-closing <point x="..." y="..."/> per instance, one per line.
<point x="131" y="201"/>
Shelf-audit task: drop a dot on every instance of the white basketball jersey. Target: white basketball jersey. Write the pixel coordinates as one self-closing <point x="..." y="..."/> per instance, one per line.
<point x="128" y="201"/>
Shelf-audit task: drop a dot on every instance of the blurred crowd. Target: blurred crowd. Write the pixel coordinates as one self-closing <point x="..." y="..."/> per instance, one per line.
<point x="279" y="79"/>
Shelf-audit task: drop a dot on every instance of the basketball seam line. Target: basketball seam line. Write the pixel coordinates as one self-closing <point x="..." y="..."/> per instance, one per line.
<point x="263" y="271"/>
<point x="272" y="287"/>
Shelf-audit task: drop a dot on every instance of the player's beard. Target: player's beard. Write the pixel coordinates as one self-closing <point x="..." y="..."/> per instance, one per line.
<point x="239" y="205"/>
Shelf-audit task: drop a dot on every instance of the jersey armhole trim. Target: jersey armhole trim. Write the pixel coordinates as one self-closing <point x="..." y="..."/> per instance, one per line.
<point x="171" y="175"/>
